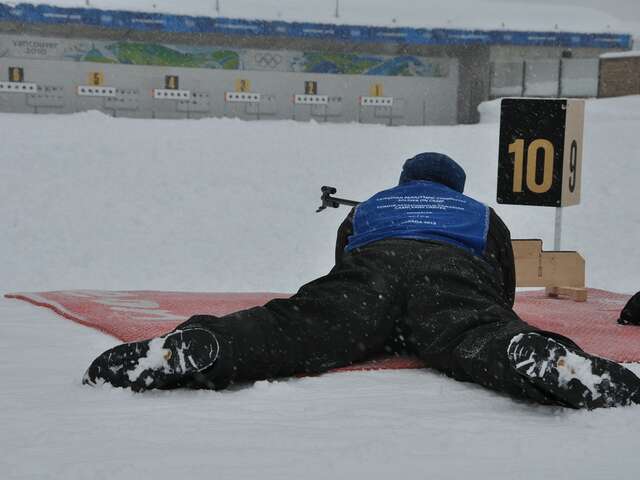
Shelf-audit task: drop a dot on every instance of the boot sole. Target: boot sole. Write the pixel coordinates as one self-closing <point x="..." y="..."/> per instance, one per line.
<point x="576" y="379"/>
<point x="156" y="363"/>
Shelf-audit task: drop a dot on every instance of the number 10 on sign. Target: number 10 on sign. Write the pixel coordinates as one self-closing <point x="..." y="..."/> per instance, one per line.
<point x="517" y="149"/>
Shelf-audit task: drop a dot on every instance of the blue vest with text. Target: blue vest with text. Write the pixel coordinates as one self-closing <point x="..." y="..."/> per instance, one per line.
<point x="421" y="210"/>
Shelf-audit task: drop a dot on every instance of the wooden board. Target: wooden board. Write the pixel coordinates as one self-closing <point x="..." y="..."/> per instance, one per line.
<point x="560" y="272"/>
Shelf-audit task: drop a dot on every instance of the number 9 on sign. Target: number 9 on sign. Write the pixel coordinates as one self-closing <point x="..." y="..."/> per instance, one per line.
<point x="573" y="166"/>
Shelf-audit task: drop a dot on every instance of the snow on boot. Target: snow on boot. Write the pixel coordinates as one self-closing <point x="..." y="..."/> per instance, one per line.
<point x="160" y="362"/>
<point x="574" y="378"/>
<point x="630" y="314"/>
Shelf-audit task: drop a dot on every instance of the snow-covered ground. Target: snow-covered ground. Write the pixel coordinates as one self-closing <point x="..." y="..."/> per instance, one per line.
<point x="621" y="16"/>
<point x="88" y="201"/>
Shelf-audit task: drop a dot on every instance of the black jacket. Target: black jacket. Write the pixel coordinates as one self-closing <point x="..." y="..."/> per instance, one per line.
<point x="498" y="251"/>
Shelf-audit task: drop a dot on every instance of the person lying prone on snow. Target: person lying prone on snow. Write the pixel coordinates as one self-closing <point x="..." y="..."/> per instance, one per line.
<point x="420" y="268"/>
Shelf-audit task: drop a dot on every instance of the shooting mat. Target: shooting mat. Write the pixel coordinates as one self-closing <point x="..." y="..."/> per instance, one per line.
<point x="136" y="315"/>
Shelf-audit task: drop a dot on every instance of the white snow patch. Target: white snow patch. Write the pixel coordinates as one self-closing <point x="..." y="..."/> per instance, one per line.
<point x="629" y="54"/>
<point x="186" y="205"/>
<point x="153" y="360"/>
<point x="570" y="366"/>
<point x="574" y="366"/>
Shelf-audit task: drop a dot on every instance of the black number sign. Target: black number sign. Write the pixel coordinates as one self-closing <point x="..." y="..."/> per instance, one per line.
<point x="311" y="88"/>
<point x="16" y="74"/>
<point x="171" y="82"/>
<point x="531" y="151"/>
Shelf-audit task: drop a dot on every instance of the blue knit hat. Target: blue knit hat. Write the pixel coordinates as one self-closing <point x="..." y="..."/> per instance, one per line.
<point x="436" y="167"/>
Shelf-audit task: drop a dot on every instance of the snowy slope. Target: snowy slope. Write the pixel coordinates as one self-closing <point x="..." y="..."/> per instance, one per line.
<point x="90" y="201"/>
<point x="585" y="16"/>
<point x="87" y="201"/>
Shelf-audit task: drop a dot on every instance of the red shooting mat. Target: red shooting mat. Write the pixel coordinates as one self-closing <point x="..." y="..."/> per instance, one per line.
<point x="136" y="315"/>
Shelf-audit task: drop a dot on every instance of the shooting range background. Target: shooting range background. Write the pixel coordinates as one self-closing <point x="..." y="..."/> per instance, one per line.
<point x="437" y="74"/>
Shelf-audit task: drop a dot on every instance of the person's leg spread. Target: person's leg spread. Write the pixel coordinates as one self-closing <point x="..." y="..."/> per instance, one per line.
<point x="460" y="326"/>
<point x="338" y="319"/>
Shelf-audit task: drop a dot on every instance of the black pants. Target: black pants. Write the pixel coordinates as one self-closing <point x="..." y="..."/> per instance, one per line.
<point x="427" y="298"/>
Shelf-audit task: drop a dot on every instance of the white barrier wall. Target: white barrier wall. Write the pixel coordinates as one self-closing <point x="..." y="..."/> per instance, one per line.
<point x="140" y="91"/>
<point x="249" y="83"/>
<point x="436" y="90"/>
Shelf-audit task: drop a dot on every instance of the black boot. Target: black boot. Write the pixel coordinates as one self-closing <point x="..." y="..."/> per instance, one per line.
<point x="176" y="359"/>
<point x="573" y="377"/>
<point x="630" y="314"/>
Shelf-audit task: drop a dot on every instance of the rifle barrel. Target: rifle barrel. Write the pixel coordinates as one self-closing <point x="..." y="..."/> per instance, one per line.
<point x="344" y="201"/>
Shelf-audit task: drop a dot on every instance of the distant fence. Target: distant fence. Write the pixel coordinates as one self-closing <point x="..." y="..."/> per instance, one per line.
<point x="567" y="77"/>
<point x="153" y="22"/>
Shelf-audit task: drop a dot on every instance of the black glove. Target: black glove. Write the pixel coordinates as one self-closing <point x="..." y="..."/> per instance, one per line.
<point x="630" y="314"/>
